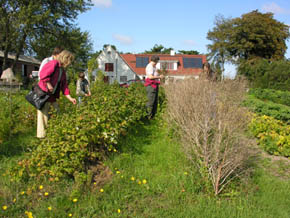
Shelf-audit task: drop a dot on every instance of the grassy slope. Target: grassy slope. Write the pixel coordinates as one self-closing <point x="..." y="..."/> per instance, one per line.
<point x="149" y="153"/>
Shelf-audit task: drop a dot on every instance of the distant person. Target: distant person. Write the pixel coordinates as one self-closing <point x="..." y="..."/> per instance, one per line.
<point x="48" y="79"/>
<point x="152" y="82"/>
<point x="55" y="53"/>
<point x="208" y="73"/>
<point x="83" y="87"/>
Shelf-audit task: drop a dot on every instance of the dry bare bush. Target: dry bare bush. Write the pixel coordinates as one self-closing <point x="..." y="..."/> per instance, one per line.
<point x="211" y="122"/>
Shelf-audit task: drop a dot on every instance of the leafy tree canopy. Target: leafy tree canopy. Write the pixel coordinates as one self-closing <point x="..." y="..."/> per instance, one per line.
<point x="253" y="35"/>
<point x="190" y="52"/>
<point x="159" y="49"/>
<point x="22" y="22"/>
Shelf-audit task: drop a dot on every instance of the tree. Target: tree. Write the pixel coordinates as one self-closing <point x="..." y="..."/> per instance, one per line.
<point x="159" y="49"/>
<point x="22" y="21"/>
<point x="254" y="35"/>
<point x="190" y="52"/>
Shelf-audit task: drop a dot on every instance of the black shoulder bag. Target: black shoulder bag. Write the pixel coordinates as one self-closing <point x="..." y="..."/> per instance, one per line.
<point x="37" y="97"/>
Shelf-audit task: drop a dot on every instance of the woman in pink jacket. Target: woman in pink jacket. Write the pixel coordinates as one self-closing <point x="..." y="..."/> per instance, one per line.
<point x="48" y="79"/>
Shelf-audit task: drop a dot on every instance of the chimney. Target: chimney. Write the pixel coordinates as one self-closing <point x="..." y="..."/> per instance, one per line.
<point x="172" y="52"/>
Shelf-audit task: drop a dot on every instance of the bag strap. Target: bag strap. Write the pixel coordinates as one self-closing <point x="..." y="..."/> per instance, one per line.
<point x="58" y="81"/>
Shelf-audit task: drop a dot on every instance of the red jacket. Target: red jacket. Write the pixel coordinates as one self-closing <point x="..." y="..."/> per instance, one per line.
<point x="152" y="82"/>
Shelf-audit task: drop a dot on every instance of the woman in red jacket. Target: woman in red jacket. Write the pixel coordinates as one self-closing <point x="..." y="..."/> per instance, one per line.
<point x="48" y="79"/>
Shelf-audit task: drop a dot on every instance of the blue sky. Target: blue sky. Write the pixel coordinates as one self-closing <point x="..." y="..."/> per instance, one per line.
<point x="137" y="25"/>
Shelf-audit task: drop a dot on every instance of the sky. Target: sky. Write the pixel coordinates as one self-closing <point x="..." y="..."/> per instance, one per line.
<point x="137" y="25"/>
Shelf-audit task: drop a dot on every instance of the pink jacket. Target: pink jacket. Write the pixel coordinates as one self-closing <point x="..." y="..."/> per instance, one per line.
<point x="46" y="75"/>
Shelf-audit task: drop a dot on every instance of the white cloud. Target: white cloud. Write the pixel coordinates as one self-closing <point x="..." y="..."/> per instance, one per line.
<point x="102" y="3"/>
<point x="189" y="42"/>
<point x="123" y="39"/>
<point x="274" y="8"/>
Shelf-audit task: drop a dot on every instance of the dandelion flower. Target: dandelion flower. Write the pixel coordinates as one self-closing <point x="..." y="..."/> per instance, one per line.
<point x="144" y="181"/>
<point x="46" y="194"/>
<point x="119" y="211"/>
<point x="14" y="200"/>
<point x="101" y="190"/>
<point x="95" y="183"/>
<point x="118" y="172"/>
<point x="4" y="207"/>
<point x="132" y="178"/>
<point x="70" y="215"/>
<point x="185" y="173"/>
<point x="139" y="182"/>
<point x="75" y="200"/>
<point x="40" y="187"/>
<point x="49" y="208"/>
<point x="22" y="193"/>
<point x="115" y="150"/>
<point x="29" y="214"/>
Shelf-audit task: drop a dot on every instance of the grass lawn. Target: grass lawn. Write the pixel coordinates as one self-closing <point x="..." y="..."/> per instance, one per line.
<point x="148" y="177"/>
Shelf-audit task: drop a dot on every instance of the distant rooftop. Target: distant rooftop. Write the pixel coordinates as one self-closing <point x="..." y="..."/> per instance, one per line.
<point x="22" y="58"/>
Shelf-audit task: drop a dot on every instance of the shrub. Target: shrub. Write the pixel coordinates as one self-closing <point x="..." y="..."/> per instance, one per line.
<point x="266" y="74"/>
<point x="273" y="135"/>
<point x="211" y="123"/>
<point x="82" y="135"/>
<point x="278" y="111"/>
<point x="276" y="96"/>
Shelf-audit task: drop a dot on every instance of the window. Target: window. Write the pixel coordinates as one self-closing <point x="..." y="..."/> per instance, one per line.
<point x="142" y="62"/>
<point x="192" y="62"/>
<point x="109" y="67"/>
<point x="123" y="79"/>
<point x="167" y="65"/>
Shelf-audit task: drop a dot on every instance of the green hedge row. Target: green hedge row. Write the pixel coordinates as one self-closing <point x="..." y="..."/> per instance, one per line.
<point x="81" y="136"/>
<point x="276" y="96"/>
<point x="278" y="111"/>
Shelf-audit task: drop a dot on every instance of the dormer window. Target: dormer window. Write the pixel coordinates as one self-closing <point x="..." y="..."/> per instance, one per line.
<point x="168" y="65"/>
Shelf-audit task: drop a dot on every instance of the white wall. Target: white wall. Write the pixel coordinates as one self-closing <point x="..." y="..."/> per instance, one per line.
<point x="109" y="55"/>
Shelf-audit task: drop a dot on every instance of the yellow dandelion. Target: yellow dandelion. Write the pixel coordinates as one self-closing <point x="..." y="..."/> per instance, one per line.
<point x="139" y="182"/>
<point x="22" y="193"/>
<point x="70" y="215"/>
<point x="115" y="150"/>
<point x="118" y="172"/>
<point x="122" y="176"/>
<point x="40" y="187"/>
<point x="4" y="207"/>
<point x="185" y="173"/>
<point x="144" y="181"/>
<point x="119" y="211"/>
<point x="14" y="200"/>
<point x="101" y="190"/>
<point x="95" y="183"/>
<point x="132" y="178"/>
<point x="116" y="168"/>
<point x="45" y="193"/>
<point x="75" y="200"/>
<point x="110" y="149"/>
<point x="29" y="214"/>
<point x="49" y="208"/>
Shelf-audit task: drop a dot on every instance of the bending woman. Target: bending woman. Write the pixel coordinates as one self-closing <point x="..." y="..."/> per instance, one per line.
<point x="48" y="79"/>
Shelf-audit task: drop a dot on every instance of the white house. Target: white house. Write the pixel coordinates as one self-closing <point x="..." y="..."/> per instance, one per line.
<point x="124" y="67"/>
<point x="114" y="66"/>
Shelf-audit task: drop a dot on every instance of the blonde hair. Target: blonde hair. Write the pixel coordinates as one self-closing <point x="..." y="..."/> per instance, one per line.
<point x="65" y="58"/>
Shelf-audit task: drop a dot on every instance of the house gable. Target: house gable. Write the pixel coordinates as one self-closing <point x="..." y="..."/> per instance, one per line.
<point x="114" y="67"/>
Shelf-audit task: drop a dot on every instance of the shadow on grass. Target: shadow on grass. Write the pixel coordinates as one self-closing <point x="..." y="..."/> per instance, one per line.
<point x="17" y="143"/>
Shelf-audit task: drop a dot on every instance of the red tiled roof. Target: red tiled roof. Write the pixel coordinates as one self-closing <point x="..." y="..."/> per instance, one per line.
<point x="130" y="59"/>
